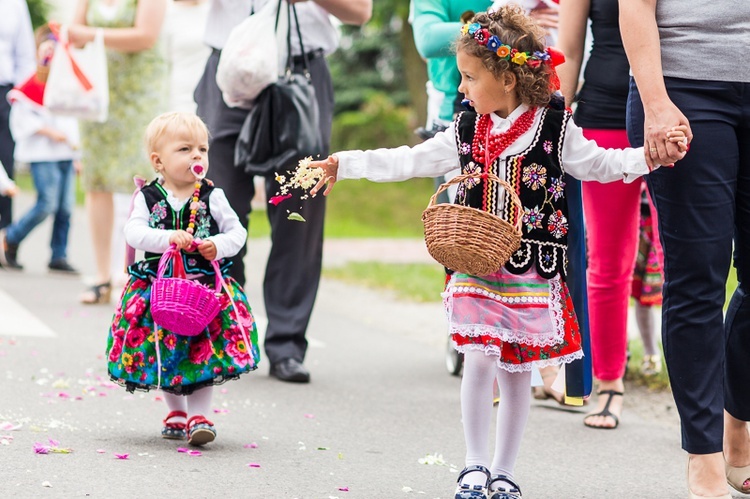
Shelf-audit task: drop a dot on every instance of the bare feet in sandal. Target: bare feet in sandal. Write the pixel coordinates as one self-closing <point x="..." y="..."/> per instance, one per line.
<point x="545" y="391"/>
<point x="99" y="293"/>
<point x="608" y="409"/>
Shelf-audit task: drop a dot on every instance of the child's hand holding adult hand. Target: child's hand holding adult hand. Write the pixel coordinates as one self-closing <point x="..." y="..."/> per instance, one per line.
<point x="207" y="249"/>
<point x="330" y="169"/>
<point x="181" y="239"/>
<point x="678" y="135"/>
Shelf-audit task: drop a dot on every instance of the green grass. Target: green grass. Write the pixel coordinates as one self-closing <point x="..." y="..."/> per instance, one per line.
<point x="363" y="209"/>
<point x="420" y="283"/>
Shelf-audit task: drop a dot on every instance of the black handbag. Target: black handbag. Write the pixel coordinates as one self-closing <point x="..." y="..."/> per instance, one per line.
<point x="283" y="125"/>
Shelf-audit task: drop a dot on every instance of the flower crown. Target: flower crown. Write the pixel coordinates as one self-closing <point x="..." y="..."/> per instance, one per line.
<point x="533" y="59"/>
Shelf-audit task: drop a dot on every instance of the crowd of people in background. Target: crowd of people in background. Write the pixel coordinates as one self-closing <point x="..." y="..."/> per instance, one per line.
<point x="632" y="79"/>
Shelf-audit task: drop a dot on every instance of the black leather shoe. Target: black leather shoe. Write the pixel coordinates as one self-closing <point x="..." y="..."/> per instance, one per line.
<point x="62" y="265"/>
<point x="290" y="370"/>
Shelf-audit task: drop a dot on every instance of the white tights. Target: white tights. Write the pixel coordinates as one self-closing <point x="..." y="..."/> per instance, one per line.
<point x="197" y="403"/>
<point x="480" y="371"/>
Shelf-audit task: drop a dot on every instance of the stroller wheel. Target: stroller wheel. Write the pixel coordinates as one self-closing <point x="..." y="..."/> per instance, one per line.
<point x="454" y="360"/>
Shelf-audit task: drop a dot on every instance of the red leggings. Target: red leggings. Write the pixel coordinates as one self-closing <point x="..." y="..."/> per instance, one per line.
<point x="612" y="214"/>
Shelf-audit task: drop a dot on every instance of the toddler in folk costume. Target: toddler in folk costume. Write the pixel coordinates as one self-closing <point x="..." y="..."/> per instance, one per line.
<point x="183" y="209"/>
<point x="522" y="315"/>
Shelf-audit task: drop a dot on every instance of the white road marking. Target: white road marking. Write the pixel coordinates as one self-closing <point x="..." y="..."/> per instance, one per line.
<point x="15" y="320"/>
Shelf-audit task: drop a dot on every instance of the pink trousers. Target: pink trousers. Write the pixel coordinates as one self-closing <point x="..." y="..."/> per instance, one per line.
<point x="612" y="213"/>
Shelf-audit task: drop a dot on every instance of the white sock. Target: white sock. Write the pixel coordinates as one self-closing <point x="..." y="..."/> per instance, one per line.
<point x="476" y="410"/>
<point x="512" y="414"/>
<point x="176" y="403"/>
<point x="199" y="402"/>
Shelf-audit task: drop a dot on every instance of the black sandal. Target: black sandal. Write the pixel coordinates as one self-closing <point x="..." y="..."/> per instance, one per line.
<point x="465" y="491"/>
<point x="514" y="492"/>
<point x="605" y="412"/>
<point x="101" y="293"/>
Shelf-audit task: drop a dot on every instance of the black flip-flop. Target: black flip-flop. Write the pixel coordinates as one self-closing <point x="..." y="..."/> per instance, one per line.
<point x="605" y="412"/>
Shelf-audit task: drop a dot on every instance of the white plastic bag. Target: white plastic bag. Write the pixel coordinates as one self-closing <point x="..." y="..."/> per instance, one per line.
<point x="251" y="58"/>
<point x="77" y="84"/>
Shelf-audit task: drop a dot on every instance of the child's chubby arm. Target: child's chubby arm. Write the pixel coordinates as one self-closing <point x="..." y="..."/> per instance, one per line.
<point x="232" y="235"/>
<point x="431" y="158"/>
<point x="138" y="232"/>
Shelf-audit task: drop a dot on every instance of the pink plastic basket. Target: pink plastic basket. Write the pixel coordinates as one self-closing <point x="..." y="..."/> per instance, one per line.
<point x="180" y="305"/>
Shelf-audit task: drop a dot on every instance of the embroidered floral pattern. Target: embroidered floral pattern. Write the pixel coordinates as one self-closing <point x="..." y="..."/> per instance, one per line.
<point x="472" y="168"/>
<point x="532" y="217"/>
<point x="556" y="188"/>
<point x="158" y="213"/>
<point x="534" y="176"/>
<point x="547" y="146"/>
<point x="557" y="225"/>
<point x="464" y="148"/>
<point x="203" y="223"/>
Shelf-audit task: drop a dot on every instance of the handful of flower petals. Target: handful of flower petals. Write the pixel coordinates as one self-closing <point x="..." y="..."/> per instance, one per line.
<point x="302" y="178"/>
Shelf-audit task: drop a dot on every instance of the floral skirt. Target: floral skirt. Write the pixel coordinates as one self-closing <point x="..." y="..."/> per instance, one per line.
<point x="647" y="275"/>
<point x="523" y="320"/>
<point x="142" y="356"/>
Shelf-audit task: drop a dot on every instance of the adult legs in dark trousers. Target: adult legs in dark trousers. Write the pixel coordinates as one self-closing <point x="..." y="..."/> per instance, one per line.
<point x="704" y="205"/>
<point x="6" y="153"/>
<point x="294" y="264"/>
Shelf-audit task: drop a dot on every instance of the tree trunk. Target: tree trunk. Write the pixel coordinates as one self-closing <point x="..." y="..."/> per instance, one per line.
<point x="415" y="71"/>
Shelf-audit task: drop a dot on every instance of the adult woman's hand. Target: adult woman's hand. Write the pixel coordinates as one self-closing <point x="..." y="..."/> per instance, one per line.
<point x="660" y="116"/>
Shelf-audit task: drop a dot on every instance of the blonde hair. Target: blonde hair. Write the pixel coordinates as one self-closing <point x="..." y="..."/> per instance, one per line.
<point x="511" y="25"/>
<point x="172" y="123"/>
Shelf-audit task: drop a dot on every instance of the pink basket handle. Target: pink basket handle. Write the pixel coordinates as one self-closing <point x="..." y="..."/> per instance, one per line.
<point x="174" y="255"/>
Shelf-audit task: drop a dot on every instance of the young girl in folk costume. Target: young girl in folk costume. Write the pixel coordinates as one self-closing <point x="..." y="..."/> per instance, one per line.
<point x="182" y="210"/>
<point x="522" y="315"/>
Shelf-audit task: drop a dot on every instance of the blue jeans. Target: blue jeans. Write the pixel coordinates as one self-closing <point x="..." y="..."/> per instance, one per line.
<point x="55" y="186"/>
<point x="704" y="207"/>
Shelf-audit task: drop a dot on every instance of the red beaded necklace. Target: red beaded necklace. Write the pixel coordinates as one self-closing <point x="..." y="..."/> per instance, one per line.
<point x="486" y="148"/>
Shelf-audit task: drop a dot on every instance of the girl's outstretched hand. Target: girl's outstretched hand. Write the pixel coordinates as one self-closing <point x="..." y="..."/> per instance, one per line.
<point x="330" y="169"/>
<point x="207" y="249"/>
<point x="679" y="135"/>
<point x="181" y="239"/>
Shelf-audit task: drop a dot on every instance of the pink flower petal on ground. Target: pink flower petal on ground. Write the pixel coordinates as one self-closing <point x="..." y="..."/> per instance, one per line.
<point x="195" y="453"/>
<point x="221" y="411"/>
<point x="251" y="446"/>
<point x="100" y="451"/>
<point x="223" y="390"/>
<point x="40" y="448"/>
<point x="8" y="426"/>
<point x="253" y="465"/>
<point x="310" y="416"/>
<point x="277" y="199"/>
<point x="122" y="456"/>
<point x="182" y="449"/>
<point x="344" y="489"/>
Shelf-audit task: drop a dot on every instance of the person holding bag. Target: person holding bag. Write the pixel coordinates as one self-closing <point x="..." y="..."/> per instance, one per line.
<point x="112" y="154"/>
<point x="297" y="248"/>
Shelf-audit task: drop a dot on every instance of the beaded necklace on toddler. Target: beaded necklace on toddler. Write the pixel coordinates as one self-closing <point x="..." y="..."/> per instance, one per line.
<point x="200" y="173"/>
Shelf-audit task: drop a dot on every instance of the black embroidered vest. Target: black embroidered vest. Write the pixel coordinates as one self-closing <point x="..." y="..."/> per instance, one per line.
<point x="538" y="178"/>
<point x="163" y="217"/>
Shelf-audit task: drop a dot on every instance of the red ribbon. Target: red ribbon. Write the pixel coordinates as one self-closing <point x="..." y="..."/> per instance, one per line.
<point x="85" y="83"/>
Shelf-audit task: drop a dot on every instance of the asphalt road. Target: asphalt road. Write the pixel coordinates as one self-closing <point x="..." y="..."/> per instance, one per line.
<point x="379" y="401"/>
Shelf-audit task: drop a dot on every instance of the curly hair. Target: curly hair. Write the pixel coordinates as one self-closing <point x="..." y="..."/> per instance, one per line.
<point x="511" y="25"/>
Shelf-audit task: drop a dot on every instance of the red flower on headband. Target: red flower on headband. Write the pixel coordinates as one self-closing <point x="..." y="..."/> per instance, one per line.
<point x="556" y="57"/>
<point x="481" y="36"/>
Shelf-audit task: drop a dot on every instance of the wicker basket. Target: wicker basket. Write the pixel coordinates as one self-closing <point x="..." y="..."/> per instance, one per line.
<point x="180" y="305"/>
<point x="468" y="240"/>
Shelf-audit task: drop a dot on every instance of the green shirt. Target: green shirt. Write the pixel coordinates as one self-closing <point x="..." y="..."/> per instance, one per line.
<point x="437" y="24"/>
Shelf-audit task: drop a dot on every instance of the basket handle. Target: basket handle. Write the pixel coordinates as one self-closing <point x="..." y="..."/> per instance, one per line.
<point x="174" y="255"/>
<point x="489" y="176"/>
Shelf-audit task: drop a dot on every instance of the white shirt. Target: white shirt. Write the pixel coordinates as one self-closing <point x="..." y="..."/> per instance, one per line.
<point x="5" y="181"/>
<point x="27" y="118"/>
<point x="582" y="158"/>
<point x="318" y="31"/>
<point x="17" y="46"/>
<point x="228" y="243"/>
<point x="187" y="52"/>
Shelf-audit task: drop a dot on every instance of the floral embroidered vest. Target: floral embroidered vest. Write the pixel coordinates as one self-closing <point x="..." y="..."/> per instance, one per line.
<point x="164" y="217"/>
<point x="538" y="178"/>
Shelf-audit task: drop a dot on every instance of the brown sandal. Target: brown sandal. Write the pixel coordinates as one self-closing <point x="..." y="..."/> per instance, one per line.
<point x="97" y="294"/>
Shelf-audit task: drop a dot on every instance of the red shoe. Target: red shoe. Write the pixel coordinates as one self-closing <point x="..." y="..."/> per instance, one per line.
<point x="172" y="430"/>
<point x="200" y="431"/>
